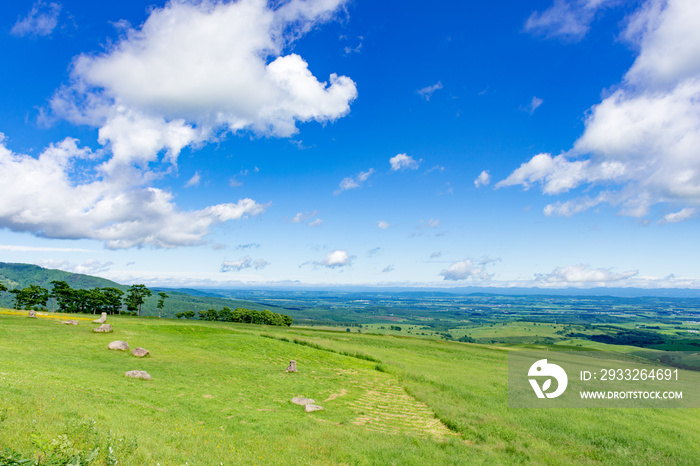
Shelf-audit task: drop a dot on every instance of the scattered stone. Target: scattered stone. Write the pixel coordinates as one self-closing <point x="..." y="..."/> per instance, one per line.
<point x="32" y="314"/>
<point x="138" y="375"/>
<point x="301" y="401"/>
<point x="292" y="366"/>
<point x="104" y="328"/>
<point x="119" y="345"/>
<point x="140" y="352"/>
<point x="311" y="408"/>
<point x="102" y="319"/>
<point x="69" y="322"/>
<point x="208" y="396"/>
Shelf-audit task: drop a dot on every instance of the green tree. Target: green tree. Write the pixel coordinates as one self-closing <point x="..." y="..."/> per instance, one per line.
<point x="31" y="296"/>
<point x="161" y="302"/>
<point x="112" y="300"/>
<point x="135" y="297"/>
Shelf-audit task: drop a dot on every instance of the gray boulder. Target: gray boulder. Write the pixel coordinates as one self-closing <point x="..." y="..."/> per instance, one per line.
<point x="119" y="345"/>
<point x="140" y="352"/>
<point x="311" y="408"/>
<point x="292" y="366"/>
<point x="69" y="322"/>
<point x="300" y="400"/>
<point x="138" y="375"/>
<point x="102" y="319"/>
<point x="32" y="313"/>
<point x="104" y="328"/>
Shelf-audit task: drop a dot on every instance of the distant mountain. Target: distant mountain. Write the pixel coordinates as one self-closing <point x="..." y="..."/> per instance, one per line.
<point x="23" y="275"/>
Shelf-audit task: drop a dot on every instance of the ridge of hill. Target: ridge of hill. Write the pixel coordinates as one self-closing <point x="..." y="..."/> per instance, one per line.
<point x="17" y="275"/>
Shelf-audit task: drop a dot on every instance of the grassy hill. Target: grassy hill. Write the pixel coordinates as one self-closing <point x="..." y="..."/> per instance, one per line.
<point x="220" y="395"/>
<point x="23" y="275"/>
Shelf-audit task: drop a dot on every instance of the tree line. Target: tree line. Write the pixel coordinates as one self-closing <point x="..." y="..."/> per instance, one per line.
<point x="95" y="300"/>
<point x="240" y="315"/>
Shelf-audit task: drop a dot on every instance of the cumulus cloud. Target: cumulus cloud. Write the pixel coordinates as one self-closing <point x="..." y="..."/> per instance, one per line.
<point x="567" y="19"/>
<point x="245" y="262"/>
<point x="336" y="259"/>
<point x="353" y="182"/>
<point x="639" y="147"/>
<point x="41" y="20"/>
<point x="403" y="162"/>
<point x="190" y="74"/>
<point x="46" y="196"/>
<point x="467" y="269"/>
<point x="577" y="274"/>
<point x="427" y="92"/>
<point x="483" y="179"/>
<point x="383" y="225"/>
<point x="211" y="65"/>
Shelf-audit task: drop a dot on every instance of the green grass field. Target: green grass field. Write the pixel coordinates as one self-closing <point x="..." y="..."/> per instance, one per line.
<point x="220" y="395"/>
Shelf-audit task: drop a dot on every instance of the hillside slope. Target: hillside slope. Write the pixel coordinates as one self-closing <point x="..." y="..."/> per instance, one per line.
<point x="15" y="275"/>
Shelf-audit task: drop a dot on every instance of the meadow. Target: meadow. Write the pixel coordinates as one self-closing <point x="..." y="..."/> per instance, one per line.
<point x="219" y="394"/>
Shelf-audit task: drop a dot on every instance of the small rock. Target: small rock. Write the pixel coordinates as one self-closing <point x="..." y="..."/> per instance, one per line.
<point x="32" y="314"/>
<point x="69" y="322"/>
<point x="311" y="408"/>
<point x="292" y="366"/>
<point x="140" y="352"/>
<point x="104" y="328"/>
<point x="119" y="345"/>
<point x="138" y="375"/>
<point x="300" y="400"/>
<point x="102" y="319"/>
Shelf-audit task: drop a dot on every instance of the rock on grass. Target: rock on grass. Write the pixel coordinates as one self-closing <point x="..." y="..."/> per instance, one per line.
<point x="138" y="375"/>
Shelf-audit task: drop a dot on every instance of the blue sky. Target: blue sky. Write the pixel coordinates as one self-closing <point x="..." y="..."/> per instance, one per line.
<point x="253" y="143"/>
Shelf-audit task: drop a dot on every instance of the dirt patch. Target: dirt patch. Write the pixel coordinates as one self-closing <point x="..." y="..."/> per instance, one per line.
<point x="343" y="392"/>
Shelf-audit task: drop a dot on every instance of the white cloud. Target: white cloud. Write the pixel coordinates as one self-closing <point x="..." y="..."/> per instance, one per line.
<point x="383" y="225"/>
<point x="427" y="92"/>
<point x="236" y="76"/>
<point x="89" y="267"/>
<point x="355" y="182"/>
<point x="467" y="269"/>
<point x="47" y="197"/>
<point x="483" y="179"/>
<point x="191" y="73"/>
<point x="680" y="216"/>
<point x="436" y="255"/>
<point x="304" y="217"/>
<point x="41" y="20"/>
<point x="432" y="223"/>
<point x="534" y="104"/>
<point x="194" y="181"/>
<point x="568" y="19"/>
<point x="388" y="268"/>
<point x="245" y="262"/>
<point x="639" y="147"/>
<point x="584" y="274"/>
<point x="335" y="259"/>
<point x="403" y="162"/>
